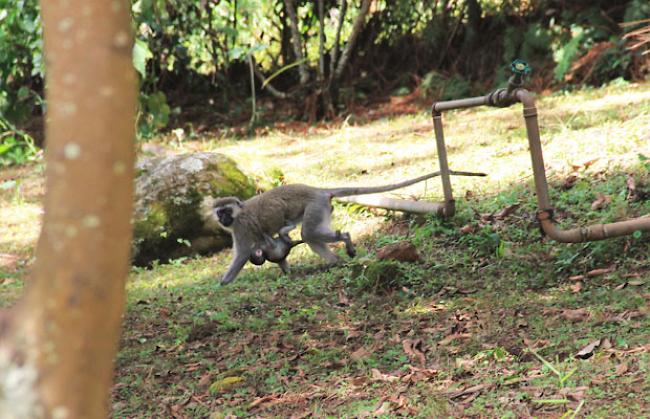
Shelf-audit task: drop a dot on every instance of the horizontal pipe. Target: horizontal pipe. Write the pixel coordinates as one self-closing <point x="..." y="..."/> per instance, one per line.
<point x="416" y="207"/>
<point x="460" y="104"/>
<point x="594" y="231"/>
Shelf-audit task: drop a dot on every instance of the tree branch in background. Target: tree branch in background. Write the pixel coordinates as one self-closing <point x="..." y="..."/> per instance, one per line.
<point x="352" y="40"/>
<point x="58" y="343"/>
<point x="337" y="41"/>
<point x="251" y="65"/>
<point x="266" y="84"/>
<point x="321" y="42"/>
<point x="296" y="41"/>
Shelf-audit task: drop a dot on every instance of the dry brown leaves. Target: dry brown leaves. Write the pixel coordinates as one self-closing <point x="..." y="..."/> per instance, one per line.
<point x="403" y="251"/>
<point x="601" y="201"/>
<point x="411" y="349"/>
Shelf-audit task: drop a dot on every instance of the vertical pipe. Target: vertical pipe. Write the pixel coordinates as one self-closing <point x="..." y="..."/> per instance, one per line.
<point x="532" y="130"/>
<point x="442" y="159"/>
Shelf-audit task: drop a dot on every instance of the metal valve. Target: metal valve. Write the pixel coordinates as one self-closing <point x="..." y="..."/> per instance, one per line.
<point x="520" y="69"/>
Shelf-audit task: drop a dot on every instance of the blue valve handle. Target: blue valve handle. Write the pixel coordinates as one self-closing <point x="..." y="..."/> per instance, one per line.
<point x="520" y="67"/>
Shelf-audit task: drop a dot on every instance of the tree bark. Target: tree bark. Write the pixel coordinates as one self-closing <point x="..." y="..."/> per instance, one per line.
<point x="296" y="41"/>
<point x="359" y="22"/>
<point x="58" y="343"/>
<point x="337" y="40"/>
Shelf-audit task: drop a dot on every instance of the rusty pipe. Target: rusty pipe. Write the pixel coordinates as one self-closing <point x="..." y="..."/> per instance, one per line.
<point x="414" y="207"/>
<point x="545" y="215"/>
<point x="471" y="102"/>
<point x="507" y="97"/>
<point x="450" y="208"/>
<point x="592" y="232"/>
<point x="535" y="147"/>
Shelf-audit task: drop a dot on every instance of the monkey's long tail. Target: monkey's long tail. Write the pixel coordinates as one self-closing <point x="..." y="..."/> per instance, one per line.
<point x="340" y="192"/>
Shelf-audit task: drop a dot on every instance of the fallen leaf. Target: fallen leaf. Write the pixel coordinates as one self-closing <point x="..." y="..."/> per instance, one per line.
<point x="359" y="381"/>
<point x="382" y="409"/>
<point x="467" y="229"/>
<point x="465" y="363"/>
<point x="577" y="278"/>
<point x="448" y="339"/>
<point x="569" y="182"/>
<point x="403" y="251"/>
<point x="261" y="400"/>
<point x="205" y="380"/>
<point x="588" y="350"/>
<point x="225" y="384"/>
<point x="379" y="376"/>
<point x="470" y="390"/>
<point x="359" y="354"/>
<point x="621" y="369"/>
<point x="574" y="393"/>
<point x="636" y="283"/>
<point x="576" y="288"/>
<point x="506" y="211"/>
<point x="600" y="271"/>
<point x="410" y="347"/>
<point x="576" y="315"/>
<point x="585" y="165"/>
<point x="606" y="344"/>
<point x="601" y="201"/>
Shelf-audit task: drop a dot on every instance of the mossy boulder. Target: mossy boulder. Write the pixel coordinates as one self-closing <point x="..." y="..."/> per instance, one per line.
<point x="173" y="203"/>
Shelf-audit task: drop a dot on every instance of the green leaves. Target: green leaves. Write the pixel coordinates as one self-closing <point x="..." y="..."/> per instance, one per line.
<point x="141" y="54"/>
<point x="154" y="113"/>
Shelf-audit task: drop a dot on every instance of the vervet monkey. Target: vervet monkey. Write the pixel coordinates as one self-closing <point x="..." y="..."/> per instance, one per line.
<point x="275" y="250"/>
<point x="266" y="214"/>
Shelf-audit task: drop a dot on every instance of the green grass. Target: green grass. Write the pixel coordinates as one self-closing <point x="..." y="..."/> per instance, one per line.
<point x="452" y="335"/>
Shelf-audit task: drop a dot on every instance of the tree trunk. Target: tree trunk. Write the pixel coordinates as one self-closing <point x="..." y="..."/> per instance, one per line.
<point x="296" y="41"/>
<point x="323" y="83"/>
<point x="57" y="345"/>
<point x="358" y="25"/>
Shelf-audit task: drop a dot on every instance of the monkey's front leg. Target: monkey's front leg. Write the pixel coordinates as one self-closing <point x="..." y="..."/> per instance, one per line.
<point x="239" y="259"/>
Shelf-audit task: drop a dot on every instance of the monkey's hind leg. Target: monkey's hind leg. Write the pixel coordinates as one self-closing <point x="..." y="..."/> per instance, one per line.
<point x="316" y="231"/>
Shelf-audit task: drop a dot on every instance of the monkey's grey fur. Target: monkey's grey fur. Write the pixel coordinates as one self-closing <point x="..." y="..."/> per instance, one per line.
<point x="266" y="214"/>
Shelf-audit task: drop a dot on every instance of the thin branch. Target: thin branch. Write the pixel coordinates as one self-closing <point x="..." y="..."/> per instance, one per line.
<point x="266" y="85"/>
<point x="356" y="30"/>
<point x="296" y="41"/>
<point x="252" y="71"/>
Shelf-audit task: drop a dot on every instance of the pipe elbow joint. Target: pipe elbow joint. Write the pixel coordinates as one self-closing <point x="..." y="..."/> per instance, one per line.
<point x="525" y="97"/>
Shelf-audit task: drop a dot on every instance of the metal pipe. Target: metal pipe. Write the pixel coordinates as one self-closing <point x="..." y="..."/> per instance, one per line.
<point x="416" y="207"/>
<point x="592" y="232"/>
<point x="460" y="104"/>
<point x="506" y="97"/>
<point x="535" y="146"/>
<point x="444" y="165"/>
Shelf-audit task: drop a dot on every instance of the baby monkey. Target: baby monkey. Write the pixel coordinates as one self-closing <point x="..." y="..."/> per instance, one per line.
<point x="276" y="250"/>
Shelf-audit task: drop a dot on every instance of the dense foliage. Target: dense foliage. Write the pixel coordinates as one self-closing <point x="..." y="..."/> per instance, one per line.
<point x="197" y="60"/>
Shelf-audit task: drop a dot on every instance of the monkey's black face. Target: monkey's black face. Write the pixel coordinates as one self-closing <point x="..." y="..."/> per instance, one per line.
<point x="225" y="216"/>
